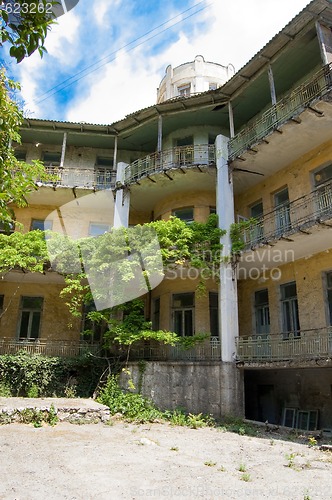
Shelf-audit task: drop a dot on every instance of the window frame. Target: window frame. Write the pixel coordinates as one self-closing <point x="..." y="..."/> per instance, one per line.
<point x="106" y="226"/>
<point x="42" y="223"/>
<point x="290" y="306"/>
<point x="181" y="311"/>
<point x="262" y="309"/>
<point x="186" y="220"/>
<point x="31" y="315"/>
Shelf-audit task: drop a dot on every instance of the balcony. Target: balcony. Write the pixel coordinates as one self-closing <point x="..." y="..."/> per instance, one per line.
<point x="97" y="179"/>
<point x="306" y="345"/>
<point x="181" y="157"/>
<point x="285" y="109"/>
<point x="58" y="348"/>
<point x="297" y="216"/>
<point x="210" y="350"/>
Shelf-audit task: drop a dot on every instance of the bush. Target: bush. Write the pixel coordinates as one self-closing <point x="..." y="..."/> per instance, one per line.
<point x="34" y="375"/>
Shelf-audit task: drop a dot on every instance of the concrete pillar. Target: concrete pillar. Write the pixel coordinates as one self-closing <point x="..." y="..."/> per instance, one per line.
<point x="228" y="285"/>
<point x="160" y="134"/>
<point x="122" y="198"/>
<point x="272" y="86"/>
<point x="63" y="150"/>
<point x="231" y="119"/>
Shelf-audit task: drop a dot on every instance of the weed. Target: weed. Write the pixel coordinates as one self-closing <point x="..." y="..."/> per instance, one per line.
<point x="222" y="469"/>
<point x="291" y="461"/>
<point x="52" y="417"/>
<point x="33" y="391"/>
<point x="174" y="448"/>
<point x="312" y="441"/>
<point x="242" y="468"/>
<point x="5" y="390"/>
<point x="245" y="477"/>
<point x="210" y="464"/>
<point x="271" y="442"/>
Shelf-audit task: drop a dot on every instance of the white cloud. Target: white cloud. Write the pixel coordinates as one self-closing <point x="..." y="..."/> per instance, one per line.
<point x="235" y="32"/>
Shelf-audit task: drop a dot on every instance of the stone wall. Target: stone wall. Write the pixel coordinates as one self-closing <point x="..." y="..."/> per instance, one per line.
<point x="198" y="387"/>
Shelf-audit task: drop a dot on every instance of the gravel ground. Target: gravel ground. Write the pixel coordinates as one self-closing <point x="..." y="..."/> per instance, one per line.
<point x="127" y="461"/>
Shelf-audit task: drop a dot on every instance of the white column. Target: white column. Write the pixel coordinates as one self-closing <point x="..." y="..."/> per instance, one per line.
<point x="228" y="285"/>
<point x="231" y="119"/>
<point x="122" y="198"/>
<point x="63" y="150"/>
<point x="272" y="86"/>
<point x="115" y="152"/>
<point x="160" y="134"/>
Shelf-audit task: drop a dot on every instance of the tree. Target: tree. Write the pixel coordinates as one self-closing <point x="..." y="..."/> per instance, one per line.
<point x="17" y="178"/>
<point x="24" y="25"/>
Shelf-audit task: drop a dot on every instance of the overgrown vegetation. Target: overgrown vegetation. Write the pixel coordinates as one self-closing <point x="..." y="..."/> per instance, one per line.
<point x="23" y="374"/>
<point x="237" y="231"/>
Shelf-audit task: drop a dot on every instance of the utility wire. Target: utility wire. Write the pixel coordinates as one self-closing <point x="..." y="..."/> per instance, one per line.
<point x="93" y="67"/>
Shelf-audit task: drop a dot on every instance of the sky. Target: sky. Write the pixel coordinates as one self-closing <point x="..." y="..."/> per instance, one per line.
<point x="106" y="58"/>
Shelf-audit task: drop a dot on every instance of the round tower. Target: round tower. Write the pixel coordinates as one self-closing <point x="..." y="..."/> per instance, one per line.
<point x="192" y="78"/>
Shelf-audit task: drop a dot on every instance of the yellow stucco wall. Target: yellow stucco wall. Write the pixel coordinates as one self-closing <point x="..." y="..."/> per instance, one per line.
<point x="55" y="314"/>
<point x="309" y="275"/>
<point x="200" y="200"/>
<point x="297" y="176"/>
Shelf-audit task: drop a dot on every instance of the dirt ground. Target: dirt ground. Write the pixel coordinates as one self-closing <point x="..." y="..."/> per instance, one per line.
<point x="127" y="461"/>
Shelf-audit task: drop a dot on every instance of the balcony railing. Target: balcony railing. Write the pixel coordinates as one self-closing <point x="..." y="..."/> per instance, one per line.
<point x="302" y="346"/>
<point x="210" y="350"/>
<point x="288" y="107"/>
<point x="58" y="348"/>
<point x="297" y="215"/>
<point x="81" y="178"/>
<point x="179" y="157"/>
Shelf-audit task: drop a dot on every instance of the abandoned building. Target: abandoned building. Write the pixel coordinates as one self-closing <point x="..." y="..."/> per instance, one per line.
<point x="255" y="147"/>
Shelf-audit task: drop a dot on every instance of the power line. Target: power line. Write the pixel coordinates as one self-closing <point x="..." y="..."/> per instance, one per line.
<point x="95" y="66"/>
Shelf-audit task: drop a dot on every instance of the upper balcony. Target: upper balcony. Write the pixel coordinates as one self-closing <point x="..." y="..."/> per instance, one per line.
<point x="181" y="157"/>
<point x="101" y="178"/>
<point x="302" y="225"/>
<point x="302" y="347"/>
<point x="290" y="106"/>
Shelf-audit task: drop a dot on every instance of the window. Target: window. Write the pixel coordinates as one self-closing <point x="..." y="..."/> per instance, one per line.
<point x="51" y="159"/>
<point x="213" y="210"/>
<point x="329" y="294"/>
<point x="213" y="86"/>
<point x="262" y="312"/>
<point x="104" y="174"/>
<point x="97" y="229"/>
<point x="8" y="227"/>
<point x="20" y="155"/>
<point x="2" y="297"/>
<point x="214" y="316"/>
<point x="256" y="232"/>
<point x="186" y="214"/>
<point x="156" y="314"/>
<point x="30" y="317"/>
<point x="92" y="331"/>
<point x="322" y="181"/>
<point x="323" y="175"/>
<point x="184" y="90"/>
<point x="282" y="220"/>
<point x="42" y="225"/>
<point x="183" y="314"/>
<point x="289" y="310"/>
<point x="185" y="141"/>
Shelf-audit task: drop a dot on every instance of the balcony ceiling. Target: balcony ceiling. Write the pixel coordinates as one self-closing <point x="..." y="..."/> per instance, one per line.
<point x="144" y="197"/>
<point x="292" y="141"/>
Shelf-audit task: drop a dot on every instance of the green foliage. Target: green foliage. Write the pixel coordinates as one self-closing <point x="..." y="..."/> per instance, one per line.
<point x="38" y="417"/>
<point x="26" y="33"/>
<point x="17" y="178"/>
<point x="239" y="426"/>
<point x="29" y="375"/>
<point x="189" y="342"/>
<point x="132" y="406"/>
<point x="237" y="231"/>
<point x="27" y="252"/>
<point x="5" y="390"/>
<point x="135" y="407"/>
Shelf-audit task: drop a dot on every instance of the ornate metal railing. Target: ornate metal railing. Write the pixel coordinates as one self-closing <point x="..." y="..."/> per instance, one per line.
<point x="297" y="215"/>
<point x="179" y="157"/>
<point x="54" y="348"/>
<point x="210" y="350"/>
<point x="301" y="346"/>
<point x="288" y="107"/>
<point x="98" y="178"/>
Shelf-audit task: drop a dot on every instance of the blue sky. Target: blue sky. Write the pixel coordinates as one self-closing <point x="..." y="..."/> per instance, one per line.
<point x="106" y="57"/>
